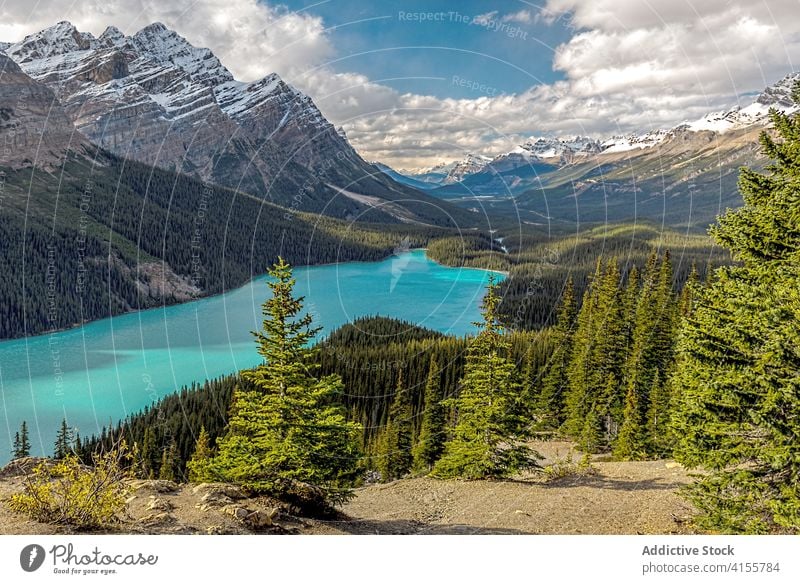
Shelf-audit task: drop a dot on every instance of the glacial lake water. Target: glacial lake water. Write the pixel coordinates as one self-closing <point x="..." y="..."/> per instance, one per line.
<point x="108" y="369"/>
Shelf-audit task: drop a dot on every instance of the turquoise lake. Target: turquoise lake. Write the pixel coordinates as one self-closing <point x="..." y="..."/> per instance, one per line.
<point x="108" y="369"/>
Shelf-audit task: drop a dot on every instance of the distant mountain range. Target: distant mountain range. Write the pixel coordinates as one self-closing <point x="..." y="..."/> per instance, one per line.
<point x="683" y="175"/>
<point x="155" y="98"/>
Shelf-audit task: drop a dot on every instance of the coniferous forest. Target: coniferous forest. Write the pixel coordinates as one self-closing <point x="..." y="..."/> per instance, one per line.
<point x="636" y="362"/>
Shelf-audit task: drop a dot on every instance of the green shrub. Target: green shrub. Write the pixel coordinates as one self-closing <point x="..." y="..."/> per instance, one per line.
<point x="567" y="467"/>
<point x="68" y="492"/>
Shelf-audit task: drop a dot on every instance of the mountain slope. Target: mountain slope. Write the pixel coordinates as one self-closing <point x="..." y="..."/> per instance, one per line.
<point x="155" y="98"/>
<point x="34" y="127"/>
<point x="101" y="236"/>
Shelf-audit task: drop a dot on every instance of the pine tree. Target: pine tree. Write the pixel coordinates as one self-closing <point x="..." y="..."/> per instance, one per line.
<point x="201" y="457"/>
<point x="598" y="348"/>
<point x="577" y="400"/>
<point x="17" y="446"/>
<point x="738" y="371"/>
<point x="630" y="298"/>
<point x="22" y="446"/>
<point x="64" y="441"/>
<point x="395" y="457"/>
<point x="166" y="470"/>
<point x="288" y="425"/>
<point x="651" y="351"/>
<point x="150" y="458"/>
<point x="630" y="443"/>
<point x="591" y="438"/>
<point x="487" y="438"/>
<point x="659" y="438"/>
<point x="549" y="408"/>
<point x="430" y="442"/>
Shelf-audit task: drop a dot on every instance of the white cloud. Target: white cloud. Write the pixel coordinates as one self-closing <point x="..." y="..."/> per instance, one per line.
<point x="485" y="19"/>
<point x="522" y="17"/>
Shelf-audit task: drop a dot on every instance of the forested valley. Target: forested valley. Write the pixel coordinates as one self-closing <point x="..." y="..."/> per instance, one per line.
<point x="105" y="236"/>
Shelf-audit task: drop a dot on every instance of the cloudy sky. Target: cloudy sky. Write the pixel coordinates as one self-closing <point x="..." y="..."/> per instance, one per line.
<point x="416" y="82"/>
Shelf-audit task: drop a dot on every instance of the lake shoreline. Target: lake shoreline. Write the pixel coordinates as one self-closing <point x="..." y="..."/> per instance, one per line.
<point x="109" y="368"/>
<point x="248" y="282"/>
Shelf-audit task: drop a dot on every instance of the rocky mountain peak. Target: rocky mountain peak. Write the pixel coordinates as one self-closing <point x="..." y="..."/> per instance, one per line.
<point x="158" y="99"/>
<point x="58" y="39"/>
<point x="473" y="163"/>
<point x="780" y="94"/>
<point x="165" y="46"/>
<point x="112" y="36"/>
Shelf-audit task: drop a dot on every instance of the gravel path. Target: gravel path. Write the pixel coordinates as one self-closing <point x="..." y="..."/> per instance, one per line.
<point x="616" y="498"/>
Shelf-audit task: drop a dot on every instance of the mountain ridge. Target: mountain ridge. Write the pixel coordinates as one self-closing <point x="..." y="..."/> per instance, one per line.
<point x="560" y="150"/>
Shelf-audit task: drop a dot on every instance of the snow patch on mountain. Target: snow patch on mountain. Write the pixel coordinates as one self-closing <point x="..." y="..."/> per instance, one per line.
<point x="472" y="164"/>
<point x="166" y="47"/>
<point x="550" y="147"/>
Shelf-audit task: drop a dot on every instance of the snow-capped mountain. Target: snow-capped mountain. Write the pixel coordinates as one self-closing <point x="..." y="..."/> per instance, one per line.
<point x="470" y="165"/>
<point x="625" y="143"/>
<point x="154" y="97"/>
<point x="559" y="151"/>
<point x="543" y="148"/>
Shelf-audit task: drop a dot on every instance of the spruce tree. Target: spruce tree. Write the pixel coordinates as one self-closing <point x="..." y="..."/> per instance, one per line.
<point x="201" y="457"/>
<point x="598" y="348"/>
<point x="651" y="351"/>
<point x="631" y="441"/>
<point x="166" y="471"/>
<point x="549" y="408"/>
<point x="578" y="400"/>
<point x="591" y="438"/>
<point x="659" y="438"/>
<point x="395" y="457"/>
<point x="487" y="439"/>
<point x="23" y="447"/>
<point x="430" y="442"/>
<point x="287" y="425"/>
<point x="738" y="371"/>
<point x="150" y="458"/>
<point x="630" y="298"/>
<point x="64" y="442"/>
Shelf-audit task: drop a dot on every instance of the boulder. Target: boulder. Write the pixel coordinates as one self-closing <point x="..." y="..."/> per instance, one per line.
<point x="228" y="490"/>
<point x="262" y="518"/>
<point x="159" y="504"/>
<point x="155" y="485"/>
<point x="22" y="466"/>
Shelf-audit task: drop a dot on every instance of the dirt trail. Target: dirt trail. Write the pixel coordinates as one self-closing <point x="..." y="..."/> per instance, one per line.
<point x="617" y="498"/>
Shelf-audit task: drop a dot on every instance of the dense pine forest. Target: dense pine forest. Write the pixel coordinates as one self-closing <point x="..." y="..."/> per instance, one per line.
<point x="539" y="264"/>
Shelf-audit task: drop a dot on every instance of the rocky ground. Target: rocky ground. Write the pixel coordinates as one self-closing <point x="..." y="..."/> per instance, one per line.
<point x="613" y="498"/>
